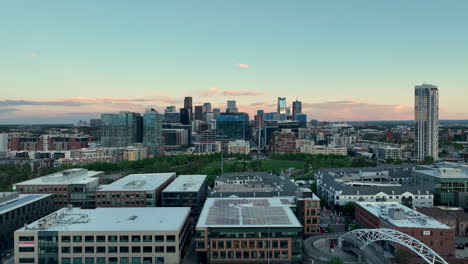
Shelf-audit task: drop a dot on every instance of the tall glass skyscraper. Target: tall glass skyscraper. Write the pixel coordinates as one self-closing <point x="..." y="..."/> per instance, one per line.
<point x="282" y="109"/>
<point x="152" y="131"/>
<point x="296" y="108"/>
<point x="121" y="130"/>
<point x="426" y="111"/>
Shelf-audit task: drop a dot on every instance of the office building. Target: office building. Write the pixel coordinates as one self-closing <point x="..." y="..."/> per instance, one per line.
<point x="170" y="109"/>
<point x="206" y="107"/>
<point x="436" y="235"/>
<point x="448" y="181"/>
<point x="216" y="112"/>
<point x="70" y="187"/>
<point x="308" y="210"/>
<point x="389" y="153"/>
<point x="187" y="191"/>
<point x="391" y="183"/>
<point x="296" y="108"/>
<point x="198" y="112"/>
<point x="426" y="111"/>
<point x="176" y="138"/>
<point x="133" y="153"/>
<point x="185" y="116"/>
<point x="16" y="210"/>
<point x="106" y="235"/>
<point x="281" y="107"/>
<point x="189" y="106"/>
<point x="232" y="126"/>
<point x="95" y="129"/>
<point x="231" y="107"/>
<point x="121" y="130"/>
<point x="248" y="230"/>
<point x="134" y="190"/>
<point x="238" y="147"/>
<point x="152" y="131"/>
<point x="302" y="119"/>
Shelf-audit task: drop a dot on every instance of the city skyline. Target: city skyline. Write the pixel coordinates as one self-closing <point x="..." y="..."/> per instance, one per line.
<point x="58" y="66"/>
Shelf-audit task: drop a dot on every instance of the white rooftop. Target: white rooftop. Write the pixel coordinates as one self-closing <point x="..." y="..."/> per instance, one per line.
<point x="11" y="201"/>
<point x="113" y="219"/>
<point x="140" y="182"/>
<point x="186" y="183"/>
<point x="399" y="215"/>
<point x="248" y="212"/>
<point x="71" y="176"/>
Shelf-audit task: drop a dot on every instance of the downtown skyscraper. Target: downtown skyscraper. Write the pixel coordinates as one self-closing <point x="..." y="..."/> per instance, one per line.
<point x="426" y="115"/>
<point x="152" y="131"/>
<point x="296" y="108"/>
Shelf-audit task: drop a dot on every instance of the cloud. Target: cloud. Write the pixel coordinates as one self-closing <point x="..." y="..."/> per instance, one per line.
<point x="7" y="110"/>
<point x="242" y="93"/>
<point x="34" y="55"/>
<point x="8" y="103"/>
<point x="211" y="92"/>
<point x="243" y="66"/>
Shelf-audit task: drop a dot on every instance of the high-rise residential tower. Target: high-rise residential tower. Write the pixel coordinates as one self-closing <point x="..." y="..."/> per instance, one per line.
<point x="152" y="131"/>
<point x="296" y="108"/>
<point x="426" y="116"/>
<point x="121" y="130"/>
<point x="282" y="105"/>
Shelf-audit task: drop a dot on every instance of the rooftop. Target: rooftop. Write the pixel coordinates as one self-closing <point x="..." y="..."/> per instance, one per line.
<point x="113" y="219"/>
<point x="399" y="215"/>
<point x="138" y="182"/>
<point x="445" y="170"/>
<point x="186" y="183"/>
<point x="248" y="212"/>
<point x="12" y="201"/>
<point x="71" y="176"/>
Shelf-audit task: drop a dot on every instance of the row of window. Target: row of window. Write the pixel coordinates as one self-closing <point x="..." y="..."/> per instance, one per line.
<point x="114" y="249"/>
<point x="264" y="234"/>
<point x="123" y="195"/>
<point x="262" y="254"/>
<point x="42" y="189"/>
<point x="244" y="244"/>
<point x="102" y="260"/>
<point x="91" y="239"/>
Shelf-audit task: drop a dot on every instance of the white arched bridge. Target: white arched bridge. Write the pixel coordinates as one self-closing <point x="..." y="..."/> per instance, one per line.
<point x="368" y="236"/>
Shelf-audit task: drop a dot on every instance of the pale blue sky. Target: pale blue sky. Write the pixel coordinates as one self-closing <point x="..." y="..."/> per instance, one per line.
<point x="368" y="54"/>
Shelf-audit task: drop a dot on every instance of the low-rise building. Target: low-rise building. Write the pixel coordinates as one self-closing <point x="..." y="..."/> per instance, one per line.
<point x="324" y="150"/>
<point x="16" y="210"/>
<point x="186" y="191"/>
<point x="134" y="190"/>
<point x="74" y="186"/>
<point x="135" y="153"/>
<point x="238" y="147"/>
<point x="283" y="141"/>
<point x="106" y="235"/>
<point x="393" y="215"/>
<point x="386" y="153"/>
<point x="308" y="210"/>
<point x="386" y="183"/>
<point x="454" y="217"/>
<point x="248" y="230"/>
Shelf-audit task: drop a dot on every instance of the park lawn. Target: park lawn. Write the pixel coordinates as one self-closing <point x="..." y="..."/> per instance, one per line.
<point x="277" y="165"/>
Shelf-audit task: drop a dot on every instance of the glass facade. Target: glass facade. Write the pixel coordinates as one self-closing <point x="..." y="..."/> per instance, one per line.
<point x="232" y="127"/>
<point x="121" y="130"/>
<point x="152" y="131"/>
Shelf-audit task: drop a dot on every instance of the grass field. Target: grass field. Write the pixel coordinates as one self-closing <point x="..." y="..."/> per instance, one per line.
<point x="277" y="165"/>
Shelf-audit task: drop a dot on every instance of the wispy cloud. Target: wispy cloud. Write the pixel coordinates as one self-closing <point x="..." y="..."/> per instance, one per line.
<point x="243" y="66"/>
<point x="34" y="55"/>
<point x="211" y="92"/>
<point x="243" y="93"/>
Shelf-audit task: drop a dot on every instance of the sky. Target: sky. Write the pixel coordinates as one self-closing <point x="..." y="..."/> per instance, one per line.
<point x="63" y="61"/>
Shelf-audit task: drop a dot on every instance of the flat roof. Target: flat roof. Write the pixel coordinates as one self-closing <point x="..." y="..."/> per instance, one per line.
<point x="445" y="172"/>
<point x="21" y="200"/>
<point x="186" y="183"/>
<point x="238" y="212"/>
<point x="71" y="176"/>
<point x="139" y="182"/>
<point x="399" y="215"/>
<point x="112" y="219"/>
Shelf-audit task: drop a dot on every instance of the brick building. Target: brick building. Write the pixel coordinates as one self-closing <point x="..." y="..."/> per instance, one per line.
<point x="436" y="235"/>
<point x="134" y="190"/>
<point x="283" y="141"/>
<point x="308" y="210"/>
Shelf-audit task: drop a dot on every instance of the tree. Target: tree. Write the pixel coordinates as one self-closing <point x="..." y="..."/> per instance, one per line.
<point x="335" y="260"/>
<point x="403" y="257"/>
<point x="348" y="208"/>
<point x="428" y="160"/>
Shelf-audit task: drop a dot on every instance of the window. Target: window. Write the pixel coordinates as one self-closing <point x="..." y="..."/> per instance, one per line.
<point x="159" y="238"/>
<point x="136" y="249"/>
<point x="77" y="239"/>
<point x="89" y="260"/>
<point x="100" y="260"/>
<point x="221" y="244"/>
<point x="28" y="260"/>
<point x="112" y="250"/>
<point x="66" y="250"/>
<point x="89" y="250"/>
<point x="159" y="260"/>
<point x="158" y="249"/>
<point x="100" y="249"/>
<point x="136" y="238"/>
<point x="136" y="260"/>
<point x="147" y="239"/>
<point x="65" y="239"/>
<point x="77" y="250"/>
<point x="26" y="238"/>
<point x="26" y="249"/>
<point x="170" y="249"/>
<point x="65" y="261"/>
<point x="147" y="250"/>
<point x="77" y="261"/>
<point x="89" y="239"/>
<point x="147" y="260"/>
<point x="215" y="255"/>
<point x="170" y="238"/>
<point x="123" y="238"/>
<point x="101" y="239"/>
<point x="114" y="239"/>
<point x="124" y="260"/>
<point x="112" y="260"/>
<point x="124" y="250"/>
